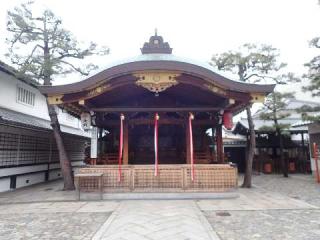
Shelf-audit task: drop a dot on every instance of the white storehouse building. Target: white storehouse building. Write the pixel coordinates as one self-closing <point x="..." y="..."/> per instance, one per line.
<point x="28" y="152"/>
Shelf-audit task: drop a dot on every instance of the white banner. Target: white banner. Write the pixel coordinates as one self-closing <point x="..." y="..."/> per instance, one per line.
<point x="94" y="142"/>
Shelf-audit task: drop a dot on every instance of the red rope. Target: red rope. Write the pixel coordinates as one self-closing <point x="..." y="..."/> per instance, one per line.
<point x="156" y="162"/>
<point x="191" y="117"/>
<point x="120" y="147"/>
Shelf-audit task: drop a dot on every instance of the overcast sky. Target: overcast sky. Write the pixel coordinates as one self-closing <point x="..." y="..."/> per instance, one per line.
<point x="194" y="28"/>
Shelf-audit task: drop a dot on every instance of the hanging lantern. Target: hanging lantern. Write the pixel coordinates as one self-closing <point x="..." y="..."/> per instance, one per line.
<point x="85" y="120"/>
<point x="227" y="120"/>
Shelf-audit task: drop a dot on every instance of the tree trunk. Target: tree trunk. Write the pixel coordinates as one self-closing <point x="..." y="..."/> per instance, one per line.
<point x="251" y="148"/>
<point x="65" y="163"/>
<point x="283" y="161"/>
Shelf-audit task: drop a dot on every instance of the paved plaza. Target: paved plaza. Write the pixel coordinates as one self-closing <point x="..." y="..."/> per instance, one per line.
<point x="275" y="208"/>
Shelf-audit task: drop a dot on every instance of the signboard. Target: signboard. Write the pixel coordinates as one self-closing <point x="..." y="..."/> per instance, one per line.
<point x="85" y="121"/>
<point x="94" y="143"/>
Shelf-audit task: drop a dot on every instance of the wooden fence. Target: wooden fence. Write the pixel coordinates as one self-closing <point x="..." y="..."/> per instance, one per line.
<point x="171" y="178"/>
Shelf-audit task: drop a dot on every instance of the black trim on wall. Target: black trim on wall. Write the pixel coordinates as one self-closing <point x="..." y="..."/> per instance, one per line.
<point x="13" y="182"/>
<point x="36" y="164"/>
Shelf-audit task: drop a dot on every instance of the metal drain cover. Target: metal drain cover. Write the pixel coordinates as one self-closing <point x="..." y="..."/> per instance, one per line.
<point x="223" y="214"/>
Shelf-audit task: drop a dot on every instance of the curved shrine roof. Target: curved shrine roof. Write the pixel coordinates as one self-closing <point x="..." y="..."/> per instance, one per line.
<point x="158" y="62"/>
<point x="156" y="56"/>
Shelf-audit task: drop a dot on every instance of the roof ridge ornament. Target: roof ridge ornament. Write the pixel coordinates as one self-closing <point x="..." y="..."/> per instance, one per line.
<point x="156" y="45"/>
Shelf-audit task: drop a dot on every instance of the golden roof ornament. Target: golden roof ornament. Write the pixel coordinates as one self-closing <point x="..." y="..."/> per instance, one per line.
<point x="156" y="81"/>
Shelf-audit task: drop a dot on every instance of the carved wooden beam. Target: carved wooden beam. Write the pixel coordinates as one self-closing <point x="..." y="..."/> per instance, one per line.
<point x="205" y="122"/>
<point x="156" y="81"/>
<point x="155" y="109"/>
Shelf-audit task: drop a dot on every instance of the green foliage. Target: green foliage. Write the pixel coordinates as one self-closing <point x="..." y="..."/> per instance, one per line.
<point x="271" y="129"/>
<point x="253" y="63"/>
<point x="309" y="113"/>
<point x="267" y="129"/>
<point x="307" y="108"/>
<point x="313" y="76"/>
<point x="41" y="48"/>
<point x="314" y="71"/>
<point x="275" y="109"/>
<point x="311" y="118"/>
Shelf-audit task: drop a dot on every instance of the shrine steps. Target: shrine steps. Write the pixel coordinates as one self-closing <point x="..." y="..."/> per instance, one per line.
<point x="161" y="196"/>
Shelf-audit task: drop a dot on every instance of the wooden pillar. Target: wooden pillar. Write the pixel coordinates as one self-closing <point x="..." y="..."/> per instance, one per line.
<point x="125" y="144"/>
<point x="219" y="144"/>
<point x="188" y="156"/>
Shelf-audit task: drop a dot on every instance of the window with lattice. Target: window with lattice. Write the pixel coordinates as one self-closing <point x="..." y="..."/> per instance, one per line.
<point x="25" y="96"/>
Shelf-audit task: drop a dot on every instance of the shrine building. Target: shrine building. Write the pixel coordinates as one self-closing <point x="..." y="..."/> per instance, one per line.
<point x="150" y="118"/>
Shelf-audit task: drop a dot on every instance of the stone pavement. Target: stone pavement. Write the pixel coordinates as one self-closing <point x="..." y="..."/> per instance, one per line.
<point x="288" y="209"/>
<point x="275" y="208"/>
<point x="146" y="220"/>
<point x="53" y="220"/>
<point x="294" y="224"/>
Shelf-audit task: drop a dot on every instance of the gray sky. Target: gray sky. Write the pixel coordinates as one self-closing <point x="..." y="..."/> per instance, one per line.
<point x="195" y="29"/>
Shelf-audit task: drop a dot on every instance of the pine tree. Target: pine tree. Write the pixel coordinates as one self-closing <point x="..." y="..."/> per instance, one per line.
<point x="252" y="64"/>
<point x="276" y="105"/>
<point x="41" y="49"/>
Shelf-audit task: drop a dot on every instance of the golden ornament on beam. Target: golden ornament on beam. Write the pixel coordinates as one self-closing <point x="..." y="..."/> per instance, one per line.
<point x="156" y="81"/>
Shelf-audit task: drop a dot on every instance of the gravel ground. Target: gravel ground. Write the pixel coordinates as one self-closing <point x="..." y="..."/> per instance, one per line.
<point x="295" y="224"/>
<point x="298" y="186"/>
<point x="60" y="226"/>
<point x="266" y="225"/>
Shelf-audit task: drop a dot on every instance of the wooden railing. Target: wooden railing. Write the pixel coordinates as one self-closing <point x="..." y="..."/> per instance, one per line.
<point x="171" y="178"/>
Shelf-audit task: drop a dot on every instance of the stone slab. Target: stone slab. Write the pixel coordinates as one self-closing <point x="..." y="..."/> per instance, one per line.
<point x="169" y="196"/>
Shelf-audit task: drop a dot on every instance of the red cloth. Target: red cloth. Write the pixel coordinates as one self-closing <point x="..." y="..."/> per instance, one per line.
<point x="120" y="147"/>
<point x="156" y="162"/>
<point x="191" y="146"/>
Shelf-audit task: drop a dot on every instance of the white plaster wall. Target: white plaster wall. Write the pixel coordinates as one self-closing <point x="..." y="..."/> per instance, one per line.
<point x="297" y="137"/>
<point x="4" y="184"/>
<point x="8" y="99"/>
<point x="33" y="178"/>
<point x="313" y="165"/>
<point x="77" y="164"/>
<point x="22" y="170"/>
<point x="55" y="174"/>
<point x="54" y="165"/>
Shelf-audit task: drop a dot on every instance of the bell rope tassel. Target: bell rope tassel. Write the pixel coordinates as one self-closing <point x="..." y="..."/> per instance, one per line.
<point x="120" y="148"/>
<point x="156" y="159"/>
<point x="191" y="117"/>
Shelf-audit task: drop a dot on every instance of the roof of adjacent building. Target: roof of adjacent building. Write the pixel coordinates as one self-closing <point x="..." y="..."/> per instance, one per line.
<point x="294" y="120"/>
<point x="259" y="123"/>
<point x="292" y="105"/>
<point x="23" y="120"/>
<point x="13" y="72"/>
